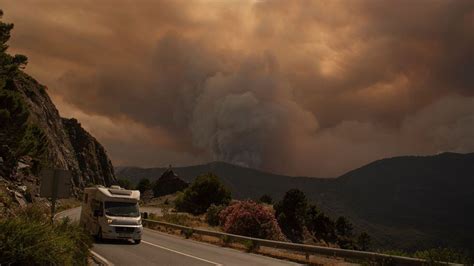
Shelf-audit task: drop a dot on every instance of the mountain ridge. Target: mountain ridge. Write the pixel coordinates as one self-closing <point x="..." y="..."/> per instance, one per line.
<point x="422" y="199"/>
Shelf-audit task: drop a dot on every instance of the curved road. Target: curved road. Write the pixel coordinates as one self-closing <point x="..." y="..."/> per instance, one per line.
<point x="158" y="248"/>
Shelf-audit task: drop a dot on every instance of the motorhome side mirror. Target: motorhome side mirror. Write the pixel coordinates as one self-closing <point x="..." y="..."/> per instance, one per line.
<point x="97" y="213"/>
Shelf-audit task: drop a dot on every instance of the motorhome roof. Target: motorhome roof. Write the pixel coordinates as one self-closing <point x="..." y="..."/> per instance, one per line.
<point x="117" y="192"/>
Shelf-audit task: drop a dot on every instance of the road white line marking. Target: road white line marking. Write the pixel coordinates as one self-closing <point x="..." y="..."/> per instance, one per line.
<point x="104" y="260"/>
<point x="181" y="253"/>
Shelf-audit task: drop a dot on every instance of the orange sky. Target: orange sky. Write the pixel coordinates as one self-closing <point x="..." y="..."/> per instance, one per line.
<point x="310" y="88"/>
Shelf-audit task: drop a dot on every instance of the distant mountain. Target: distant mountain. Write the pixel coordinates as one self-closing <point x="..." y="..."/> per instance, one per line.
<point x="243" y="182"/>
<point x="410" y="202"/>
<point x="407" y="202"/>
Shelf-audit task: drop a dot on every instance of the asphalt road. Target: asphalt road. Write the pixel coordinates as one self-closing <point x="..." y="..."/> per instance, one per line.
<point x="158" y="248"/>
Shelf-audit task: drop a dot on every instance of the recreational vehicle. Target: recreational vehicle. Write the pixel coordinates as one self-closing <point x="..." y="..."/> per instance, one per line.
<point x="112" y="213"/>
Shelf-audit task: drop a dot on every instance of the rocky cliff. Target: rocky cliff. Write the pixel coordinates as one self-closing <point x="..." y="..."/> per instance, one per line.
<point x="168" y="183"/>
<point x="94" y="164"/>
<point x="34" y="136"/>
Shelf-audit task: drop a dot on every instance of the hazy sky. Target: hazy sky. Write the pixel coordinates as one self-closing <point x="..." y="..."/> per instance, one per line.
<point x="310" y="88"/>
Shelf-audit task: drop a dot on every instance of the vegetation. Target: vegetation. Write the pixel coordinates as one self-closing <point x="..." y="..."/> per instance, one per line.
<point x="125" y="183"/>
<point x="363" y="241"/>
<point x="249" y="218"/>
<point x="144" y="185"/>
<point x="350" y="195"/>
<point x="291" y="214"/>
<point x="30" y="238"/>
<point x="320" y="226"/>
<point x="436" y="255"/>
<point x="18" y="135"/>
<point x="266" y="199"/>
<point x="212" y="214"/>
<point x="297" y="218"/>
<point x="250" y="245"/>
<point x="175" y="218"/>
<point x="343" y="226"/>
<point x="9" y="64"/>
<point x="204" y="191"/>
<point x="344" y="232"/>
<point x="444" y="255"/>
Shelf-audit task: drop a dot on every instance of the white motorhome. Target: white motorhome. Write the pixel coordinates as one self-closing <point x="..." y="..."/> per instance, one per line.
<point x="112" y="213"/>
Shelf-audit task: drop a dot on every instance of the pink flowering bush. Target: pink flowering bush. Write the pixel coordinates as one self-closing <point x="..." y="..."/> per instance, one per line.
<point x="249" y="218"/>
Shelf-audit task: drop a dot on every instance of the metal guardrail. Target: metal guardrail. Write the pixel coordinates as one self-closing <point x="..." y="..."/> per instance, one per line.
<point x="307" y="249"/>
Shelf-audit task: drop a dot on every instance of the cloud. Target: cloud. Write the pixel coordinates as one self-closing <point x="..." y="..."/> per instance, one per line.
<point x="297" y="87"/>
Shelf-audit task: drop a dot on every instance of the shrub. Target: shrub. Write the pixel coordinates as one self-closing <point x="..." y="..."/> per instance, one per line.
<point x="125" y="183"/>
<point x="212" y="214"/>
<point x="226" y="240"/>
<point x="443" y="255"/>
<point x="363" y="241"/>
<point x="144" y="185"/>
<point x="174" y="218"/>
<point x="266" y="199"/>
<point x="204" y="191"/>
<point x="250" y="245"/>
<point x="29" y="238"/>
<point x="291" y="214"/>
<point x="320" y="225"/>
<point x="187" y="233"/>
<point x="344" y="227"/>
<point x="249" y="218"/>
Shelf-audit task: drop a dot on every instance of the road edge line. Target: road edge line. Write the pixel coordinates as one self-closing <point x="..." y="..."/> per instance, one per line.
<point x="101" y="260"/>
<point x="181" y="253"/>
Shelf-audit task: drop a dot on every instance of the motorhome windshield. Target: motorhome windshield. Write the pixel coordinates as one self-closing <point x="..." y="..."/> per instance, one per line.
<point x="124" y="209"/>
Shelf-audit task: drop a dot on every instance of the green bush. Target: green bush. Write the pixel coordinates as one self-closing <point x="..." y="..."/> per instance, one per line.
<point x="250" y="245"/>
<point x="291" y="214"/>
<point x="29" y="238"/>
<point x="266" y="199"/>
<point x="144" y="185"/>
<point x="226" y="240"/>
<point x="204" y="191"/>
<point x="212" y="214"/>
<point x="124" y="183"/>
<point x="187" y="233"/>
<point x="344" y="227"/>
<point x="320" y="225"/>
<point x="363" y="241"/>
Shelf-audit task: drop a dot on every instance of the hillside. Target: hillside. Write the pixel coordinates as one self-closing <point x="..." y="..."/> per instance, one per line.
<point x="33" y="136"/>
<point x="243" y="182"/>
<point x="403" y="202"/>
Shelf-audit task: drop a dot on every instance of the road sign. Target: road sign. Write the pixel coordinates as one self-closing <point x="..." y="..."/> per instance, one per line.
<point x="55" y="183"/>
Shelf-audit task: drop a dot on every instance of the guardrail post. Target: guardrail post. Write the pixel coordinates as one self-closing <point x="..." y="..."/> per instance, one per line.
<point x="307" y="256"/>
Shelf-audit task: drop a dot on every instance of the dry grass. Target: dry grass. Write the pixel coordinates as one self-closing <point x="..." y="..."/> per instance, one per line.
<point x="162" y="202"/>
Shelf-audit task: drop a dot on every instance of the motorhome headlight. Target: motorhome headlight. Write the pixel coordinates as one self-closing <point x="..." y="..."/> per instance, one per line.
<point x="139" y="221"/>
<point x="109" y="221"/>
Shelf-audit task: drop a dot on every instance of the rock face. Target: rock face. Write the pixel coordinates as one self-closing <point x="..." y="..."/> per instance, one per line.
<point x="169" y="183"/>
<point x="93" y="162"/>
<point x="33" y="127"/>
